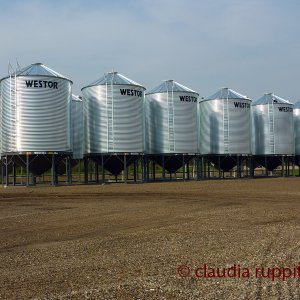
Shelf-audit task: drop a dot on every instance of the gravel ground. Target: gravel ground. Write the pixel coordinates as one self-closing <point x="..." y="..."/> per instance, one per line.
<point x="151" y="241"/>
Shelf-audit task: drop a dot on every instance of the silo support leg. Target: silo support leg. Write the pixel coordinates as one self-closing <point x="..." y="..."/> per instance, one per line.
<point x="6" y="173"/>
<point x="251" y="166"/>
<point x="14" y="173"/>
<point x="27" y="170"/>
<point x="125" y="169"/>
<point x="183" y="167"/>
<point x="134" y="170"/>
<point x="96" y="172"/>
<point x="69" y="170"/>
<point x="142" y="169"/>
<point x="53" y="171"/>
<point x="293" y="166"/>
<point x="283" y="166"/>
<point x="86" y="170"/>
<point x="102" y="170"/>
<point x="2" y="173"/>
<point x="203" y="168"/>
<point x="163" y="168"/>
<point x="79" y="167"/>
<point x="198" y="168"/>
<point x="238" y="167"/>
<point x="143" y="166"/>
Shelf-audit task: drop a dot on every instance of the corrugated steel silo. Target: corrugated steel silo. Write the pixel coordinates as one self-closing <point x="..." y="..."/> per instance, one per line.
<point x="77" y="127"/>
<point x="113" y="119"/>
<point x="272" y="129"/>
<point x="36" y="112"/>
<point x="224" y="127"/>
<point x="171" y="123"/>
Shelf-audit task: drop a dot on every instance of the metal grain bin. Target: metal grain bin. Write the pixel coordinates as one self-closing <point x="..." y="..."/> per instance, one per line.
<point x="171" y="119"/>
<point x="77" y="127"/>
<point x="272" y="126"/>
<point x="113" y="121"/>
<point x="35" y="110"/>
<point x="224" y="126"/>
<point x="272" y="130"/>
<point x="171" y="124"/>
<point x="296" y="112"/>
<point x="113" y="115"/>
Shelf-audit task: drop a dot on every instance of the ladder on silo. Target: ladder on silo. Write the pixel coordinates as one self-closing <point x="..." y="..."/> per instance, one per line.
<point x="226" y="124"/>
<point x="110" y="117"/>
<point x="271" y="126"/>
<point x="13" y="116"/>
<point x="170" y="99"/>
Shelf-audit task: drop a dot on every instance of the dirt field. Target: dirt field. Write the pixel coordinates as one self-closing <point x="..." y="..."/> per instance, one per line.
<point x="122" y="241"/>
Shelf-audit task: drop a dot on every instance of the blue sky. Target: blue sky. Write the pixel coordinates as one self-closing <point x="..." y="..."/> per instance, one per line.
<point x="250" y="46"/>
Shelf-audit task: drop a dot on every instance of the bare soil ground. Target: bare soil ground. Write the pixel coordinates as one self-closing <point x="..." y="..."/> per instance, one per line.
<point x="126" y="242"/>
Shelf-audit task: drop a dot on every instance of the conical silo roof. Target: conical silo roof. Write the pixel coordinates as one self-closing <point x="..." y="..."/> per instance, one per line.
<point x="170" y="86"/>
<point x="226" y="93"/>
<point x="113" y="78"/>
<point x="38" y="69"/>
<point x="270" y="98"/>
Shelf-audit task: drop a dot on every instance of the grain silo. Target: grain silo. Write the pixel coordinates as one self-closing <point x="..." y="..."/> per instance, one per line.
<point x="113" y="122"/>
<point x="272" y="131"/>
<point x="35" y="118"/>
<point x="224" y="129"/>
<point x="171" y="124"/>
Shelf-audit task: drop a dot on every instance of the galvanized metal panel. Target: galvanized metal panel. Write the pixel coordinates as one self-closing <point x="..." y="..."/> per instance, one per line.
<point x="77" y="127"/>
<point x="224" y="126"/>
<point x="113" y="118"/>
<point x="35" y="114"/>
<point x="171" y="122"/>
<point x="296" y="112"/>
<point x="272" y="129"/>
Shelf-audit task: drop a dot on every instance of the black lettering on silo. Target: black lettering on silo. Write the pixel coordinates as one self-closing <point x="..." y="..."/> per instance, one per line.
<point x="55" y="85"/>
<point x="35" y="83"/>
<point x="50" y="84"/>
<point x="29" y="83"/>
<point x="123" y="91"/>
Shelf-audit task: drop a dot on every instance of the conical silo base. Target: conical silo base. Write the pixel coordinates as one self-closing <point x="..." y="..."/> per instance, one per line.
<point x="114" y="163"/>
<point x="172" y="162"/>
<point x="33" y="164"/>
<point x="269" y="162"/>
<point x="225" y="162"/>
<point x="37" y="163"/>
